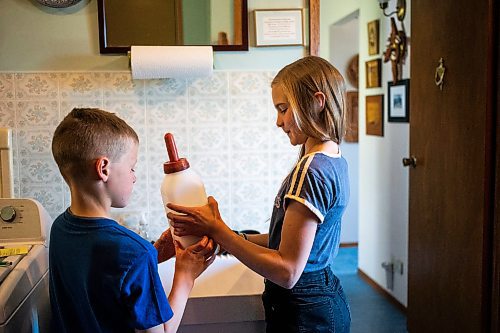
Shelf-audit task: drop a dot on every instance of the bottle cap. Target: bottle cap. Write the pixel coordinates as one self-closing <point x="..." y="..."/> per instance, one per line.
<point x="175" y="164"/>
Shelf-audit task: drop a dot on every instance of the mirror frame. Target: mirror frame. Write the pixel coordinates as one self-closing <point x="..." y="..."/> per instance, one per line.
<point x="314" y="27"/>
<point x="105" y="48"/>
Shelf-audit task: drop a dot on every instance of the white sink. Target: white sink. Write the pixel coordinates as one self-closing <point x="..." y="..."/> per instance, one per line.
<point x="225" y="298"/>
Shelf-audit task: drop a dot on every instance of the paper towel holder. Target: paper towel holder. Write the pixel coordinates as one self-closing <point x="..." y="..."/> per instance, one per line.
<point x="120" y="27"/>
<point x="174" y="62"/>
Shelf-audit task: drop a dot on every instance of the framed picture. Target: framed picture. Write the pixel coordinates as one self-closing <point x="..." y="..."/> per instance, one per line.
<point x="375" y="115"/>
<point x="373" y="74"/>
<point x="399" y="101"/>
<point x="279" y="27"/>
<point x="352" y="116"/>
<point x="373" y="37"/>
<point x="123" y="23"/>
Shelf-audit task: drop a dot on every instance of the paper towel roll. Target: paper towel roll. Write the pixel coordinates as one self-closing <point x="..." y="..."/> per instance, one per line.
<point x="158" y="62"/>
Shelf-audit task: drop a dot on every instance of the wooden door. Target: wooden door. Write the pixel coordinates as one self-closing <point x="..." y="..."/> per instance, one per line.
<point x="451" y="189"/>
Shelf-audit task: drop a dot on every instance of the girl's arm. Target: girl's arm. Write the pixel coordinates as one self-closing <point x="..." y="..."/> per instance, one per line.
<point x="282" y="266"/>
<point x="259" y="239"/>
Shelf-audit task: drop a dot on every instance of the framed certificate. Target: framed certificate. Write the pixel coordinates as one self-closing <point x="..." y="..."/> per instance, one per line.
<point x="279" y="27"/>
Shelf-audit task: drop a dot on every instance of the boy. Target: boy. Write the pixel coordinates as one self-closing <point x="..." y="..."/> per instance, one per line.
<point x="104" y="277"/>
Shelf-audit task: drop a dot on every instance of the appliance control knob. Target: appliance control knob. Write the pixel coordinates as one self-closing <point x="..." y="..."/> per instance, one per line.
<point x="8" y="214"/>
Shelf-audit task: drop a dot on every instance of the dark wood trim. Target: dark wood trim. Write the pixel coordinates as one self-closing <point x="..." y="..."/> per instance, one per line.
<point x="102" y="26"/>
<point x="382" y="291"/>
<point x="491" y="234"/>
<point x="244" y="32"/>
<point x="353" y="244"/>
<point x="489" y="187"/>
<point x="104" y="48"/>
<point x="314" y="27"/>
<point x="179" y="32"/>
<point x="495" y="253"/>
<point x="237" y="19"/>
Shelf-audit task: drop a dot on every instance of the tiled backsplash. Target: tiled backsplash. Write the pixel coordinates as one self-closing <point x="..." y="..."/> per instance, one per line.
<point x="224" y="125"/>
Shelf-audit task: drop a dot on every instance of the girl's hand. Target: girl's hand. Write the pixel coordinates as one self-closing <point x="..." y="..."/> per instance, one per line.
<point x="198" y="221"/>
<point x="194" y="259"/>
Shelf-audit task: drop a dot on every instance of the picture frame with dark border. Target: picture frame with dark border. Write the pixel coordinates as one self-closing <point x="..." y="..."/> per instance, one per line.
<point x="373" y="37"/>
<point x="398" y="99"/>
<point x="374" y="115"/>
<point x="373" y="73"/>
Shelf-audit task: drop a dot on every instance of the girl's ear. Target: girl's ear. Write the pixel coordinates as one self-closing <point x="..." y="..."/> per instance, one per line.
<point x="320" y="100"/>
<point x="102" y="168"/>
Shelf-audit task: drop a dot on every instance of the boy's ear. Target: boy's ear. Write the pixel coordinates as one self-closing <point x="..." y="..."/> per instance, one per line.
<point x="102" y="168"/>
<point x="320" y="99"/>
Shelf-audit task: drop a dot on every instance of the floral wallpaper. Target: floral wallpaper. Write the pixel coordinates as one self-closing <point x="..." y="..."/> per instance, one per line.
<point x="224" y="125"/>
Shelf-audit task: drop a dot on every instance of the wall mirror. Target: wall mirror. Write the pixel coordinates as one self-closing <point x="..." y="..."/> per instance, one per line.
<point x="220" y="23"/>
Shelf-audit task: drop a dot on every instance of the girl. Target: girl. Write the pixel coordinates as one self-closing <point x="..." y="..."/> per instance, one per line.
<point x="301" y="292"/>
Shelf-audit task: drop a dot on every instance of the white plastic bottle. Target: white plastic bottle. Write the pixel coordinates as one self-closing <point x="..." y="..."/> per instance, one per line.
<point x="181" y="185"/>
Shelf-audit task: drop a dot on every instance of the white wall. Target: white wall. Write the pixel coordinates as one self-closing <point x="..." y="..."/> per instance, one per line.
<point x="38" y="38"/>
<point x="344" y="39"/>
<point x="383" y="182"/>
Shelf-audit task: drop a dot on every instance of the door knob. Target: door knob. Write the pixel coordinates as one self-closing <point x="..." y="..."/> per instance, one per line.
<point x="410" y="161"/>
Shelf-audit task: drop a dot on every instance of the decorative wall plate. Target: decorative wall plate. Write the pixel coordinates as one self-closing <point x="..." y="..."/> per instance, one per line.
<point x="58" y="3"/>
<point x="352" y="71"/>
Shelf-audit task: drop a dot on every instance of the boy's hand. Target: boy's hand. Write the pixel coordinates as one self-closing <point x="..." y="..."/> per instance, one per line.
<point x="196" y="258"/>
<point x="165" y="246"/>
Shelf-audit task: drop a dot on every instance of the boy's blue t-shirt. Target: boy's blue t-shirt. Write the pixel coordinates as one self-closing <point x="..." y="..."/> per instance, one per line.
<point x="321" y="183"/>
<point x="103" y="278"/>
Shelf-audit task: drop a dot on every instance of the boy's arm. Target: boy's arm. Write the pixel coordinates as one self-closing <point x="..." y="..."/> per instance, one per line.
<point x="165" y="246"/>
<point x="189" y="264"/>
<point x="181" y="287"/>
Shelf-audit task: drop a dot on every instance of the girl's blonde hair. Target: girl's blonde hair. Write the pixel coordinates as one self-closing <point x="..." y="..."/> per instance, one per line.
<point x="303" y="78"/>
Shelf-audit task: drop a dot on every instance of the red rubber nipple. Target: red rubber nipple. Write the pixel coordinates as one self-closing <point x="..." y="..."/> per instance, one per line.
<point x="175" y="163"/>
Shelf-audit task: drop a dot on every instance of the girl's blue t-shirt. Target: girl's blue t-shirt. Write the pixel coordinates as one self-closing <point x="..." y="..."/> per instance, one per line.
<point x="103" y="277"/>
<point x="321" y="183"/>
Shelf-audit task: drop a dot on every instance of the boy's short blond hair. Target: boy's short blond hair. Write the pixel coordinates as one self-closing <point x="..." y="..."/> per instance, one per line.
<point x="86" y="134"/>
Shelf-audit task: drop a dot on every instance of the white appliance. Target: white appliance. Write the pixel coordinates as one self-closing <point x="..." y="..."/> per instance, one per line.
<point x="24" y="285"/>
<point x="6" y="181"/>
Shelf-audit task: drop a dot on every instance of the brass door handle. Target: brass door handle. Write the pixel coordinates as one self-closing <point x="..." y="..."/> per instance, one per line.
<point x="410" y="161"/>
<point x="439" y="74"/>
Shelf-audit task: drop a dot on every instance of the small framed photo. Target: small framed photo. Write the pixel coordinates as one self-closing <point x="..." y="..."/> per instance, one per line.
<point x="373" y="37"/>
<point x="279" y="27"/>
<point x="375" y="115"/>
<point x="399" y="100"/>
<point x="373" y="75"/>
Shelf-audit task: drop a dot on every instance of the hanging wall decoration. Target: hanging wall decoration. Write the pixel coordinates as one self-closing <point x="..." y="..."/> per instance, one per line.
<point x="58" y="3"/>
<point x="373" y="37"/>
<point x="373" y="73"/>
<point x="352" y="71"/>
<point x="399" y="101"/>
<point x="396" y="50"/>
<point x="352" y="116"/>
<point x="279" y="27"/>
<point x="375" y="115"/>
